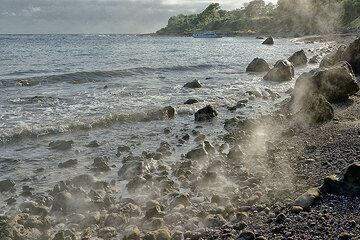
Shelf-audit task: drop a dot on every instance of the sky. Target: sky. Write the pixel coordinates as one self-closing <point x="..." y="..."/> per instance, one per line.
<point x="97" y="16"/>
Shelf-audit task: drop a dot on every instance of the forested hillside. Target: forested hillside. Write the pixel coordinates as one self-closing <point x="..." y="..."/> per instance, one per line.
<point x="287" y="17"/>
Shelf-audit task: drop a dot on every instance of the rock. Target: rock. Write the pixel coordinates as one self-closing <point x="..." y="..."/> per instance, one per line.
<point x="191" y="101"/>
<point x="169" y="112"/>
<point x="345" y="236"/>
<point x="6" y="185"/>
<point x="101" y="164"/>
<point x="280" y="218"/>
<point x="336" y="83"/>
<point x="307" y="199"/>
<point x="115" y="220"/>
<point x="131" y="233"/>
<point x="299" y="58"/>
<point x="314" y="60"/>
<point x="214" y="221"/>
<point x="352" y="55"/>
<point x="206" y="113"/>
<point x="296" y="209"/>
<point x="83" y="180"/>
<point x="333" y="58"/>
<point x="155" y="211"/>
<point x="162" y="234"/>
<point x="235" y="153"/>
<point x="346" y="183"/>
<point x="209" y="147"/>
<point x="246" y="235"/>
<point x="197" y="153"/>
<point x="313" y="108"/>
<point x="193" y="84"/>
<point x="68" y="163"/>
<point x="258" y="65"/>
<point x="282" y="71"/>
<point x="93" y="144"/>
<point x="62" y="201"/>
<point x="61" y="145"/>
<point x="107" y="232"/>
<point x="269" y="41"/>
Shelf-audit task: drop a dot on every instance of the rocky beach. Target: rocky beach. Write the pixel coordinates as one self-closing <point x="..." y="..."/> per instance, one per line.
<point x="292" y="173"/>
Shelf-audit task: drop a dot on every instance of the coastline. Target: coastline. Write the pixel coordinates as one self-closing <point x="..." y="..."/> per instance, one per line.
<point x="263" y="195"/>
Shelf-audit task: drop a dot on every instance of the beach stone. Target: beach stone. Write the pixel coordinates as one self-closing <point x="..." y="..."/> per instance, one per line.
<point x="336" y="83"/>
<point x="61" y="145"/>
<point x="197" y="153"/>
<point x="280" y="218"/>
<point x="68" y="163"/>
<point x="6" y="185"/>
<point x="131" y="233"/>
<point x="214" y="221"/>
<point x="298" y="58"/>
<point x="154" y="212"/>
<point x="308" y="198"/>
<point x="169" y="112"/>
<point x="191" y="101"/>
<point x="107" y="232"/>
<point x="193" y="84"/>
<point x="100" y="164"/>
<point x="83" y="180"/>
<point x="206" y="113"/>
<point x="162" y="234"/>
<point x="246" y="235"/>
<point x="235" y="153"/>
<point x="130" y="169"/>
<point x="314" y="60"/>
<point x="93" y="144"/>
<point x="283" y="71"/>
<point x="62" y="202"/>
<point x="333" y="58"/>
<point x="269" y="41"/>
<point x="352" y="55"/>
<point x="258" y="65"/>
<point x="115" y="220"/>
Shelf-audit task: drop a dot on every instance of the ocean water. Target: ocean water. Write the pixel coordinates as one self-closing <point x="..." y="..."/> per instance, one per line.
<point x="105" y="87"/>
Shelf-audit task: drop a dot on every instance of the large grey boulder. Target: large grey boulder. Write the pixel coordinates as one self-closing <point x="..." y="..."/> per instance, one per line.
<point x="206" y="113"/>
<point x="258" y="65"/>
<point x="336" y="83"/>
<point x="282" y="71"/>
<point x="352" y="55"/>
<point x="269" y="41"/>
<point x="193" y="84"/>
<point x="333" y="58"/>
<point x="299" y="58"/>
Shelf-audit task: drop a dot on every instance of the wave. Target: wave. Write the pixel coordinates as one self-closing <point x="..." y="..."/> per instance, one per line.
<point x="96" y="76"/>
<point x="23" y="132"/>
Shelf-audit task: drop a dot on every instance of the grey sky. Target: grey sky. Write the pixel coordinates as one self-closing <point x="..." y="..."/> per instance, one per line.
<point x="96" y="16"/>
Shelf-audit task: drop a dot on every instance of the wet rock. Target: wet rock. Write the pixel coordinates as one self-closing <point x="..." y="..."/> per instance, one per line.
<point x="155" y="211"/>
<point x="299" y="58"/>
<point x="136" y="183"/>
<point x="258" y="65"/>
<point x="62" y="201"/>
<point x="282" y="71"/>
<point x="169" y="112"/>
<point x="214" y="221"/>
<point x="100" y="164"/>
<point x="269" y="41"/>
<point x="308" y="198"/>
<point x="280" y="218"/>
<point x="131" y="233"/>
<point x="209" y="148"/>
<point x="197" y="153"/>
<point x="115" y="220"/>
<point x="352" y="55"/>
<point x="93" y="144"/>
<point x="235" y="153"/>
<point x="206" y="113"/>
<point x="61" y="145"/>
<point x="6" y="185"/>
<point x="333" y="58"/>
<point x="191" y="101"/>
<point x="314" y="60"/>
<point x="345" y="236"/>
<point x="131" y="168"/>
<point x="83" y="180"/>
<point x="68" y="164"/>
<point x="255" y="93"/>
<point x="336" y="83"/>
<point x="246" y="235"/>
<point x="193" y="84"/>
<point x="180" y="198"/>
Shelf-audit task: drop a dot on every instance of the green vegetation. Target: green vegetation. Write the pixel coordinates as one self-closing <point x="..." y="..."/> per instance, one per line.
<point x="288" y="17"/>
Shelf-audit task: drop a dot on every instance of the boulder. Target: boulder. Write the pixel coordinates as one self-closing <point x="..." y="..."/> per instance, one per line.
<point x="169" y="112"/>
<point x="191" y="101"/>
<point x="100" y="164"/>
<point x="336" y="83"/>
<point x="68" y="163"/>
<point x="206" y="113"/>
<point x="346" y="183"/>
<point x="269" y="41"/>
<point x="6" y="185"/>
<point x="193" y="84"/>
<point x="352" y="55"/>
<point x="61" y="144"/>
<point x="333" y="58"/>
<point x="197" y="153"/>
<point x="308" y="198"/>
<point x="282" y="71"/>
<point x="258" y="65"/>
<point x="299" y="58"/>
<point x="93" y="144"/>
<point x="131" y="233"/>
<point x="214" y="221"/>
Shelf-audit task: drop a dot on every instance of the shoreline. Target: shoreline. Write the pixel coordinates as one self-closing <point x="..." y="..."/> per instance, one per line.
<point x="235" y="184"/>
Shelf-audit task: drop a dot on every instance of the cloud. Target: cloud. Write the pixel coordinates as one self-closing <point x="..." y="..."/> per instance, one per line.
<point x="96" y="16"/>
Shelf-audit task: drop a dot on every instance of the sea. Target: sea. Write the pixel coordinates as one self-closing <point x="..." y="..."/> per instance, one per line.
<point x="107" y="87"/>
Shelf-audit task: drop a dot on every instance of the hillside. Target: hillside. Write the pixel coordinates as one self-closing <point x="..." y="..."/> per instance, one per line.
<point x="288" y="17"/>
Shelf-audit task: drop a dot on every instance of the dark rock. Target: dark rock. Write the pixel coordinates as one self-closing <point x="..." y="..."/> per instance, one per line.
<point x="235" y="153"/>
<point x="299" y="58"/>
<point x="61" y="145"/>
<point x="352" y="55"/>
<point x="101" y="164"/>
<point x="307" y="199"/>
<point x="282" y="71"/>
<point x="191" y="101"/>
<point x="333" y="58"/>
<point x="68" y="163"/>
<point x="258" y="65"/>
<point x="214" y="221"/>
<point x="336" y="83"/>
<point x="197" y="153"/>
<point x="193" y="84"/>
<point x="280" y="218"/>
<point x="206" y="113"/>
<point x="169" y="112"/>
<point x="93" y="144"/>
<point x="6" y="185"/>
<point x="314" y="60"/>
<point x="246" y="235"/>
<point x="269" y="41"/>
